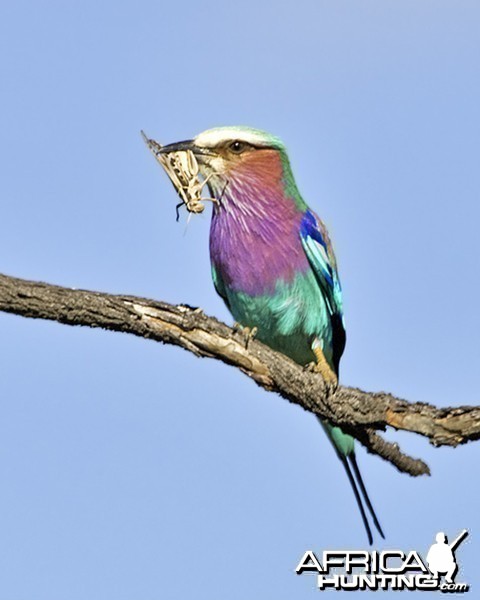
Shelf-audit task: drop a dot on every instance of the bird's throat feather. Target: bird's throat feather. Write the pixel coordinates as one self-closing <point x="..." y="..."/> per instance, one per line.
<point x="254" y="236"/>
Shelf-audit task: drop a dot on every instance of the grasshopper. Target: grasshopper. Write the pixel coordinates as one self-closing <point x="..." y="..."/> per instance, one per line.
<point x="183" y="171"/>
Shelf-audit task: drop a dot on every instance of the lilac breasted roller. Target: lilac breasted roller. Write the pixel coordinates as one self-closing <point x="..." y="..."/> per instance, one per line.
<point x="273" y="262"/>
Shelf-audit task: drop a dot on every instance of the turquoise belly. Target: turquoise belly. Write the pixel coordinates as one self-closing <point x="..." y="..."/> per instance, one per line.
<point x="289" y="319"/>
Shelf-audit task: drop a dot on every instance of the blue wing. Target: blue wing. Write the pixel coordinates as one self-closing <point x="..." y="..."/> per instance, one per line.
<point x="319" y="251"/>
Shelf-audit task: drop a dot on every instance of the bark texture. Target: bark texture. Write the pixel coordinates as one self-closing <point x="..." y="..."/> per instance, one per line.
<point x="360" y="413"/>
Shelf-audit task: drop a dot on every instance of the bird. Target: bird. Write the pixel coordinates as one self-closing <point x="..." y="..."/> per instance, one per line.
<point x="273" y="264"/>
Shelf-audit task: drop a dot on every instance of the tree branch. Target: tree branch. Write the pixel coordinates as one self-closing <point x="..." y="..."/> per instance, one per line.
<point x="357" y="412"/>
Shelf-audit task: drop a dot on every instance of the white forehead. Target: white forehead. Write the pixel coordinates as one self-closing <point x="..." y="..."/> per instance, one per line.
<point x="219" y="135"/>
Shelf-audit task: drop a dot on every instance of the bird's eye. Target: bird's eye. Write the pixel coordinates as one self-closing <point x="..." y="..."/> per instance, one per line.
<point x="237" y="147"/>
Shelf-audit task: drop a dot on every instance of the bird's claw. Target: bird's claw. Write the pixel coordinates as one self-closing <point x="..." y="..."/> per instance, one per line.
<point x="247" y="333"/>
<point x="329" y="378"/>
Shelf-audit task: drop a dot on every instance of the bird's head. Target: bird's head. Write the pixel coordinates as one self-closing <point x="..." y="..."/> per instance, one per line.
<point x="240" y="160"/>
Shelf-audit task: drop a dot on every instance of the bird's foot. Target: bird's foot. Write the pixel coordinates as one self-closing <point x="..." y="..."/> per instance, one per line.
<point x="321" y="366"/>
<point x="247" y="333"/>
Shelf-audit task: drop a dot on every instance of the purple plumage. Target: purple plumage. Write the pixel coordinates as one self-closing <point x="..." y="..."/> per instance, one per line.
<point x="254" y="235"/>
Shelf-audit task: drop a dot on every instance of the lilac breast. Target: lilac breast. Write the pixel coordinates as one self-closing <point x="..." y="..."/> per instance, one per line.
<point x="255" y="240"/>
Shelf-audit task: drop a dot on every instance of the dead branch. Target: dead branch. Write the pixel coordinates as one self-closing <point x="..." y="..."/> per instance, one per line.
<point x="357" y="412"/>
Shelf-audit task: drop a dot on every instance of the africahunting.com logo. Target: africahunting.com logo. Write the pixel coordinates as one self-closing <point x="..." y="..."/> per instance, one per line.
<point x="388" y="569"/>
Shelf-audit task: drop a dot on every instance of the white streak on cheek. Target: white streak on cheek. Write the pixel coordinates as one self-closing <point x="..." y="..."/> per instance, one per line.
<point x="212" y="164"/>
<point x="218" y="166"/>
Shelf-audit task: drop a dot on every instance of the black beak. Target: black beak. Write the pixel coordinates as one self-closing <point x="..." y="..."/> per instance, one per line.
<point x="157" y="149"/>
<point x="178" y="146"/>
<point x="185" y="145"/>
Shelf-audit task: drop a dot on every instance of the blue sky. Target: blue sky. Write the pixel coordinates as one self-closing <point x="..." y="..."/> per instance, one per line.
<point x="134" y="470"/>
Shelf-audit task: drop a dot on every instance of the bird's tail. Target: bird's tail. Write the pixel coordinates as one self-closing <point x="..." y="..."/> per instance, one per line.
<point x="345" y="448"/>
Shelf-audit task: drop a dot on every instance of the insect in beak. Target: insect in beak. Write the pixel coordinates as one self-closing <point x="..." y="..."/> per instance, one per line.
<point x="180" y="164"/>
